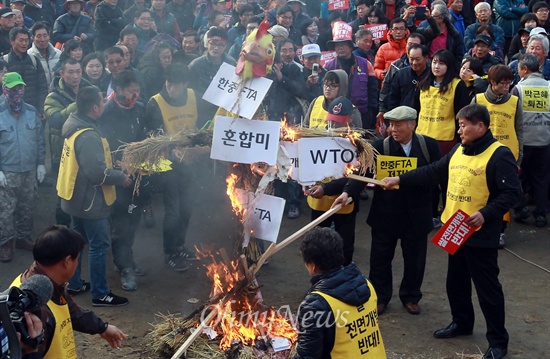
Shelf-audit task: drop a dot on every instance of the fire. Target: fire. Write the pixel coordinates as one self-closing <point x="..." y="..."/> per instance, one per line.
<point x="224" y="277"/>
<point x="238" y="207"/>
<point x="287" y="132"/>
<point x="350" y="168"/>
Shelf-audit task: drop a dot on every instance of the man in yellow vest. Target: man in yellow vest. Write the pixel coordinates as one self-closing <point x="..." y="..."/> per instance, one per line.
<point x="483" y="182"/>
<point x="86" y="184"/>
<point x="337" y="319"/>
<point x="56" y="255"/>
<point x="172" y="111"/>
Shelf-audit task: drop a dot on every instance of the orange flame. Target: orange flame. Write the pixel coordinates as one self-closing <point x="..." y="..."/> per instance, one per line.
<point x="287" y="132"/>
<point x="238" y="207"/>
<point x="350" y="168"/>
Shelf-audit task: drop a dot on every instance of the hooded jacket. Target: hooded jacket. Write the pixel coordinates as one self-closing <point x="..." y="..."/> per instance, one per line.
<point x="88" y="201"/>
<point x="388" y="53"/>
<point x="346" y="284"/>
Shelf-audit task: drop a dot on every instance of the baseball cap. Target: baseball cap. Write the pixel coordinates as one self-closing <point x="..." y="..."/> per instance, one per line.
<point x="339" y="110"/>
<point x="483" y="38"/>
<point x="538" y="30"/>
<point x="278" y="30"/>
<point x="401" y="113"/>
<point x="12" y="79"/>
<point x="310" y="50"/>
<point x="6" y="11"/>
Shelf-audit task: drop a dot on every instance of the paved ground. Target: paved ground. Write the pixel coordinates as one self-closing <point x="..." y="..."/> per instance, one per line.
<point x="285" y="280"/>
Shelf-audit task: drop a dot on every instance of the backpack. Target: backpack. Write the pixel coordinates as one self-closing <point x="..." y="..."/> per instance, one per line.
<point x="421" y="140"/>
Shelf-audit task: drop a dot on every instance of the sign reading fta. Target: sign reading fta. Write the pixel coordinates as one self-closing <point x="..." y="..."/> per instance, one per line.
<point x="454" y="232"/>
<point x="229" y="92"/>
<point x="264" y="217"/>
<point x="338" y="5"/>
<point x="392" y="166"/>
<point x="245" y="141"/>
<point x="325" y="157"/>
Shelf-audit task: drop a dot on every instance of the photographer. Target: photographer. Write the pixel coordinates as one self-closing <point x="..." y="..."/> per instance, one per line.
<point x="56" y="254"/>
<point x="34" y="326"/>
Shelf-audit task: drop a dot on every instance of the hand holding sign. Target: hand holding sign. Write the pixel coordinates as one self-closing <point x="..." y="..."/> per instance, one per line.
<point x="454" y="233"/>
<point x="475" y="220"/>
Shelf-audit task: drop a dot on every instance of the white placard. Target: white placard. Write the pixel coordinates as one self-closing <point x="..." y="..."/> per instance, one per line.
<point x="245" y="141"/>
<point x="226" y="86"/>
<point x="292" y="150"/>
<point x="325" y="157"/>
<point x="263" y="214"/>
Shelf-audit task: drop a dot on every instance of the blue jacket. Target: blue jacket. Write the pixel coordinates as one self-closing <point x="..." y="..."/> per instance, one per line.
<point x="22" y="145"/>
<point x="470" y="36"/>
<point x="508" y="14"/>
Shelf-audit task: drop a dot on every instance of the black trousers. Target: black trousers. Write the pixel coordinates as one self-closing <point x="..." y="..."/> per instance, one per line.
<point x="480" y="266"/>
<point x="536" y="167"/>
<point x="344" y="224"/>
<point x="413" y="246"/>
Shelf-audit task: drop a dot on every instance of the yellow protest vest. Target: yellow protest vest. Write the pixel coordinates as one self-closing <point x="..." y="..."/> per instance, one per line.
<point x="437" y="113"/>
<point x="178" y="118"/>
<point x="318" y="115"/>
<point x="357" y="334"/>
<point x="62" y="345"/>
<point x="324" y="203"/>
<point x="467" y="186"/>
<point x="503" y="121"/>
<point x="68" y="169"/>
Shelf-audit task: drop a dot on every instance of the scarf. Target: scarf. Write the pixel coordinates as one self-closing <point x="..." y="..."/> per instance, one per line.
<point x="14" y="98"/>
<point x="123" y="102"/>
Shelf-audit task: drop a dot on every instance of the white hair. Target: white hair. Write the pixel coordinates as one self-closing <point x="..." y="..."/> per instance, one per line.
<point x="481" y="4"/>
<point x="543" y="39"/>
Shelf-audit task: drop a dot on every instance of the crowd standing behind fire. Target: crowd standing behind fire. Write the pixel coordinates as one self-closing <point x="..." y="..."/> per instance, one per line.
<point x="432" y="56"/>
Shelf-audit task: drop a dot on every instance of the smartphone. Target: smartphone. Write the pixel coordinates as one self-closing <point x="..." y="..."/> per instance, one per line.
<point x="315" y="69"/>
<point x="420" y="13"/>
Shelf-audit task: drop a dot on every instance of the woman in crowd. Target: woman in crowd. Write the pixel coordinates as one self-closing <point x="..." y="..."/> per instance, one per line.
<point x="519" y="41"/>
<point x="152" y="67"/>
<point x="310" y="32"/>
<point x="71" y="49"/>
<point x="93" y="69"/>
<point x="377" y="17"/>
<point x="471" y="73"/>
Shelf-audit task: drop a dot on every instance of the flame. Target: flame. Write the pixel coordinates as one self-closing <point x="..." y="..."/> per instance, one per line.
<point x="350" y="168"/>
<point x="224" y="277"/>
<point x="238" y="207"/>
<point x="287" y="132"/>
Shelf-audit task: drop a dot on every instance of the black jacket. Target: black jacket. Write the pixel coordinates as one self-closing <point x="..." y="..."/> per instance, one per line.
<point x="346" y="284"/>
<point x="411" y="204"/>
<point x="64" y="30"/>
<point x="109" y="21"/>
<point x="404" y="87"/>
<point x="502" y="183"/>
<point x="395" y="66"/>
<point x="33" y="75"/>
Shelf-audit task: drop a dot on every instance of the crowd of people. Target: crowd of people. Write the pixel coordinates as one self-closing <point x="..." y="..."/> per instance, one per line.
<point x="422" y="76"/>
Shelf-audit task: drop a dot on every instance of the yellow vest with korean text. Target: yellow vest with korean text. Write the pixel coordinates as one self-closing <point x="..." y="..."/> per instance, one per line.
<point x="62" y="345"/>
<point x="467" y="186"/>
<point x="68" y="169"/>
<point x="324" y="203"/>
<point x="503" y="121"/>
<point x="318" y="115"/>
<point x="437" y="113"/>
<point x="357" y="334"/>
<point x="178" y="118"/>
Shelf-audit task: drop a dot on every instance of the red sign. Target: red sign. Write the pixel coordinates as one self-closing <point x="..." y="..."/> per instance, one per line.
<point x="379" y="31"/>
<point x="338" y="5"/>
<point x="325" y="56"/>
<point x="454" y="233"/>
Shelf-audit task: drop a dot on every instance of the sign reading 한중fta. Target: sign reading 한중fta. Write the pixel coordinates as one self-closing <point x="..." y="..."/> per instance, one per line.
<point x="264" y="217"/>
<point x="392" y="166"/>
<point x="325" y="157"/>
<point x="245" y="141"/>
<point x="227" y="91"/>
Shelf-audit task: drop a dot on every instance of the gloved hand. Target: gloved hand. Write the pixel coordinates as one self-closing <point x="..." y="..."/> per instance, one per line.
<point x="3" y="180"/>
<point x="40" y="173"/>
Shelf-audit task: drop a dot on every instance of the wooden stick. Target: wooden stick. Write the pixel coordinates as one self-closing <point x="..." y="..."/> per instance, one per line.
<point x="244" y="263"/>
<point x="225" y="257"/>
<point x="194" y="335"/>
<point x="369" y="180"/>
<point x="274" y="248"/>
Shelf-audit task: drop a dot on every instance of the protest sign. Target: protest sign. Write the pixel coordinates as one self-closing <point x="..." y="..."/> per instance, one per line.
<point x="392" y="166"/>
<point x="264" y="217"/>
<point x="326" y="56"/>
<point x="229" y="92"/>
<point x="379" y="31"/>
<point x="453" y="233"/>
<point x="292" y="150"/>
<point x="338" y="5"/>
<point x="245" y="141"/>
<point x="325" y="157"/>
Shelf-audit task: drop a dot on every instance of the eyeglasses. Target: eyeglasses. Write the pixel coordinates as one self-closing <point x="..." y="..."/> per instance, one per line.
<point x="112" y="62"/>
<point x="216" y="44"/>
<point x="542" y="11"/>
<point x="331" y="86"/>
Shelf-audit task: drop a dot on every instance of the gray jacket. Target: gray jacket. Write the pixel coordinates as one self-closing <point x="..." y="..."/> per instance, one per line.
<point x="22" y="145"/>
<point x="536" y="125"/>
<point x="49" y="63"/>
<point x="88" y="201"/>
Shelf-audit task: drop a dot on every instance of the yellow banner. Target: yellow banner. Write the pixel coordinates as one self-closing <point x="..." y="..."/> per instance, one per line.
<point x="535" y="99"/>
<point x="391" y="166"/>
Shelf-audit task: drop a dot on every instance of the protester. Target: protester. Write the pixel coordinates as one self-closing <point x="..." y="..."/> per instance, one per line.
<point x="335" y="289"/>
<point x="7" y="22"/>
<point x="508" y="14"/>
<point x="39" y="10"/>
<point x="165" y="21"/>
<point x="313" y="76"/>
<point x="56" y="255"/>
<point x="366" y="48"/>
<point x="183" y="11"/>
<point x="457" y="20"/>
<point x="21" y="166"/>
<point x="94" y="70"/>
<point x="44" y="50"/>
<point x="71" y="50"/>
<point x="310" y="32"/>
<point x="491" y="195"/>
<point x="447" y="37"/>
<point x="362" y="8"/>
<point x="114" y="62"/>
<point x="75" y="26"/>
<point x="285" y="18"/>
<point x="480" y="52"/>
<point x="393" y="49"/>
<point x="21" y="20"/>
<point x="541" y="9"/>
<point x="152" y="66"/>
<point x="245" y="13"/>
<point x="279" y="33"/>
<point x="537" y="45"/>
<point x="109" y="21"/>
<point x="519" y="41"/>
<point x="129" y="38"/>
<point x="471" y="73"/>
<point x="483" y="16"/>
<point x="132" y="12"/>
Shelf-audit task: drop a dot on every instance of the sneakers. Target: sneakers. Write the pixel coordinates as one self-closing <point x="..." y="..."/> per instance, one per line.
<point x="84" y="288"/>
<point x="25" y="243"/>
<point x="502" y="241"/>
<point x="6" y="252"/>
<point x="187" y="254"/>
<point x="293" y="212"/>
<point x="128" y="280"/>
<point x="437" y="222"/>
<point x="110" y="300"/>
<point x="149" y="216"/>
<point x="176" y="262"/>
<point x="540" y="220"/>
<point x="522" y="214"/>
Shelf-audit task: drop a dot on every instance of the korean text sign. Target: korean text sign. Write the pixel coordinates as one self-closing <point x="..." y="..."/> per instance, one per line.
<point x="227" y="91"/>
<point x="245" y="141"/>
<point x="379" y="31"/>
<point x="454" y="233"/>
<point x="338" y="5"/>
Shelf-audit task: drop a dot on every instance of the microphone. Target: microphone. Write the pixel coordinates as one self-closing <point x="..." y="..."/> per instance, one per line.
<point x="38" y="289"/>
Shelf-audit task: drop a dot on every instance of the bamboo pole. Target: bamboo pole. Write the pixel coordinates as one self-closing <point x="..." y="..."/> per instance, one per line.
<point x="274" y="248"/>
<point x="369" y="180"/>
<point x="194" y="335"/>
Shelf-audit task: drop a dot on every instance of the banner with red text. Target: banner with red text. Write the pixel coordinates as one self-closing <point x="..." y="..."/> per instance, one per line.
<point x="338" y="5"/>
<point x="379" y="31"/>
<point x="454" y="232"/>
